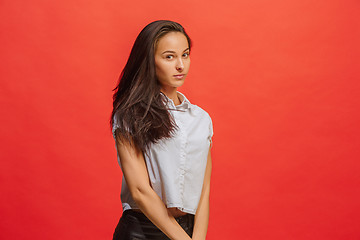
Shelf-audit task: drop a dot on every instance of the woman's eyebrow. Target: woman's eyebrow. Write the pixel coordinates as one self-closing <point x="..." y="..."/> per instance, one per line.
<point x="170" y="51"/>
<point x="186" y="49"/>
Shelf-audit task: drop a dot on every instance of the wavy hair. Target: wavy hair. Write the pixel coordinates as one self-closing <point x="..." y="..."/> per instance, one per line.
<point x="139" y="113"/>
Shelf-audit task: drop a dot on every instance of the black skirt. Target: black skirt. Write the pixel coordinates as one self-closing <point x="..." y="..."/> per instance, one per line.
<point x="135" y="225"/>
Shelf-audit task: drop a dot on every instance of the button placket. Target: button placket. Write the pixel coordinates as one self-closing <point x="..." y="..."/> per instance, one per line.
<point x="182" y="165"/>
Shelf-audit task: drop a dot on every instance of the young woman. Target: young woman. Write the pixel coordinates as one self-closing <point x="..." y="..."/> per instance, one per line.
<point x="162" y="140"/>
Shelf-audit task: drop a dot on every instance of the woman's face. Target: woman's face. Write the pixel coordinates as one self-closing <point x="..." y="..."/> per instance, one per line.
<point x="172" y="60"/>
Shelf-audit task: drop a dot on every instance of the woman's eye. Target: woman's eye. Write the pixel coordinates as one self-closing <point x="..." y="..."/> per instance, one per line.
<point x="186" y="55"/>
<point x="169" y="57"/>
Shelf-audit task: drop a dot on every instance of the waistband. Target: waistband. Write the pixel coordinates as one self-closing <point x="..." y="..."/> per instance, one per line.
<point x="142" y="217"/>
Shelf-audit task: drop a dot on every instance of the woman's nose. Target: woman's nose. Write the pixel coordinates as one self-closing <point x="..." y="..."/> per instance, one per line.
<point x="179" y="65"/>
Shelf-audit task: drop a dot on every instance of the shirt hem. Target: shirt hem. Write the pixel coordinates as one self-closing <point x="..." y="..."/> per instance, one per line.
<point x="127" y="206"/>
<point x="178" y="206"/>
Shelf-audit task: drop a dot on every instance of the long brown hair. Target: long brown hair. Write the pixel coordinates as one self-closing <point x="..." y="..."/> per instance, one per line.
<point x="139" y="114"/>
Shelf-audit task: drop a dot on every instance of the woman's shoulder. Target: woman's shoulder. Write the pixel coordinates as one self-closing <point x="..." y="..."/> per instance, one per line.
<point x="204" y="117"/>
<point x="194" y="108"/>
<point x="200" y="111"/>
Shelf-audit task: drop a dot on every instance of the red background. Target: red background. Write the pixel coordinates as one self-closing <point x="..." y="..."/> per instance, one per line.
<point x="279" y="78"/>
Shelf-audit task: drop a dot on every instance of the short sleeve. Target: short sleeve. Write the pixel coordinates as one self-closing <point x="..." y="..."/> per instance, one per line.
<point x="211" y="131"/>
<point x="114" y="126"/>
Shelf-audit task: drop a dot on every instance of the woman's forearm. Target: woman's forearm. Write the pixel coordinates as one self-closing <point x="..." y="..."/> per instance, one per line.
<point x="154" y="209"/>
<point x="201" y="219"/>
<point x="203" y="210"/>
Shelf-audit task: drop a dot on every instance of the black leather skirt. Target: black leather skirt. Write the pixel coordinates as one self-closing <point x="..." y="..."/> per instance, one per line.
<point x="135" y="225"/>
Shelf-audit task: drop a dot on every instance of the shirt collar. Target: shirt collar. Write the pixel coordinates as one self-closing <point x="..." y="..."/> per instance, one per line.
<point x="184" y="105"/>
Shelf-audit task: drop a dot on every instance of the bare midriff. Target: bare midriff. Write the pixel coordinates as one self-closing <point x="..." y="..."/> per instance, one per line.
<point x="174" y="211"/>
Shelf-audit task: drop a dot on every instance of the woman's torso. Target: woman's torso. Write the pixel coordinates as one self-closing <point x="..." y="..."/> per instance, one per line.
<point x="176" y="166"/>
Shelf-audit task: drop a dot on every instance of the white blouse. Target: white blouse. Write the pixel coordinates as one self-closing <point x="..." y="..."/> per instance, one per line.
<point x="176" y="166"/>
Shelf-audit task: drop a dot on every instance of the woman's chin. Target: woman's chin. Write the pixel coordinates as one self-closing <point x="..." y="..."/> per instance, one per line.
<point x="179" y="83"/>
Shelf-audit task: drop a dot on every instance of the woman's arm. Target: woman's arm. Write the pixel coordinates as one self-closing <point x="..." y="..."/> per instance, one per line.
<point x="137" y="178"/>
<point x="202" y="212"/>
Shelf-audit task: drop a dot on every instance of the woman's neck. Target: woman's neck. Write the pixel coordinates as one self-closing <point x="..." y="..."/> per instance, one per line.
<point x="172" y="94"/>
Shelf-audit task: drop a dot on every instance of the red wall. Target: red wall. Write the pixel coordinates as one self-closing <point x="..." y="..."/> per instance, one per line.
<point x="279" y="78"/>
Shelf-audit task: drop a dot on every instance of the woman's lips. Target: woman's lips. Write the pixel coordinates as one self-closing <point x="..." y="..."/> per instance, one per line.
<point x="179" y="76"/>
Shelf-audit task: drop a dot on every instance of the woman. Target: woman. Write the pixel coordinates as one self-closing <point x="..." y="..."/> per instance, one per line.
<point x="162" y="140"/>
